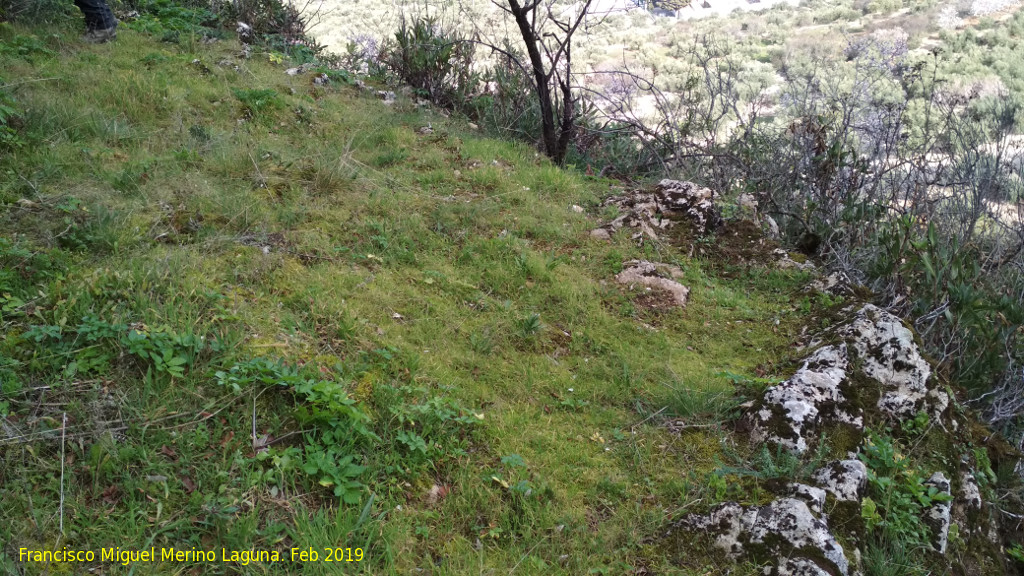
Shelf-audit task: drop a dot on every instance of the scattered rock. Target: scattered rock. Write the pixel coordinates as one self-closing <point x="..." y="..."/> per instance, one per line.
<point x="786" y="262"/>
<point x="835" y="283"/>
<point x="225" y="63"/>
<point x="670" y="202"/>
<point x="785" y="530"/>
<point x="937" y="516"/>
<point x="846" y="480"/>
<point x="577" y="209"/>
<point x="747" y="202"/>
<point x="387" y="96"/>
<point x="245" y="33"/>
<point x="654" y="275"/>
<point x="799" y="567"/>
<point x="891" y="357"/>
<point x="321" y="79"/>
<point x="299" y="69"/>
<point x="201" y="67"/>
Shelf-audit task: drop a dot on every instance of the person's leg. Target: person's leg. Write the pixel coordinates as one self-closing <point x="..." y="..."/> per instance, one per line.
<point x="97" y="14"/>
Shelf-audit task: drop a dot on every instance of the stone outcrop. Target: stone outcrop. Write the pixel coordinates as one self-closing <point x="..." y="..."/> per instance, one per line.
<point x="785" y="529"/>
<point x="846" y="480"/>
<point x="792" y="410"/>
<point x="937" y="516"/>
<point x="874" y="348"/>
<point x="671" y="202"/>
<point x="656" y="276"/>
<point x="970" y="492"/>
<point x="865" y="372"/>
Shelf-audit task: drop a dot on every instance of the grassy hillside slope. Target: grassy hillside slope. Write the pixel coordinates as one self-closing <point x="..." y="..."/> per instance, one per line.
<point x="463" y="387"/>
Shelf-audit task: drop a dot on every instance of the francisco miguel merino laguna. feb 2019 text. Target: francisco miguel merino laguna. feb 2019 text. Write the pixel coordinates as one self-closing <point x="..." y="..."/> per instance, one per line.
<point x="244" y="557"/>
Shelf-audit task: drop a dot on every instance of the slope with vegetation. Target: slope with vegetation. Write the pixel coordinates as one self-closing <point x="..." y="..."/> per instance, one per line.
<point x="244" y="310"/>
<point x="252" y="309"/>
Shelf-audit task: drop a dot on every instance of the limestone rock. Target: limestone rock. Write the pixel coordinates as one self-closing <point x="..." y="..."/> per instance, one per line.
<point x="970" y="492"/>
<point x="302" y="69"/>
<point x="698" y="204"/>
<point x="835" y="283"/>
<point x="785" y="529"/>
<point x="654" y="275"/>
<point x="813" y="496"/>
<point x="786" y="262"/>
<point x="797" y="567"/>
<point x="245" y="32"/>
<point x="796" y="406"/>
<point x="937" y="517"/>
<point x="881" y="349"/>
<point x="671" y="202"/>
<point x="891" y="357"/>
<point x="844" y="479"/>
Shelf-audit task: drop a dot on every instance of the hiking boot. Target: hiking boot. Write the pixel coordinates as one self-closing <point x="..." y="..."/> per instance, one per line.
<point x="100" y="36"/>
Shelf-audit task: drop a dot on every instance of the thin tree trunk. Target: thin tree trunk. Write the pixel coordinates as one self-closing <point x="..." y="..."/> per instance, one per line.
<point x="521" y="14"/>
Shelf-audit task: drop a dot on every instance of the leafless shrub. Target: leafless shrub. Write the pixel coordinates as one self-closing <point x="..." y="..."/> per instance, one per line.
<point x="909" y="185"/>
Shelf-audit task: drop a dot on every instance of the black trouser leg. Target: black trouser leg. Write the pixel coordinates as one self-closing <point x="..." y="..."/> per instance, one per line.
<point x="97" y="14"/>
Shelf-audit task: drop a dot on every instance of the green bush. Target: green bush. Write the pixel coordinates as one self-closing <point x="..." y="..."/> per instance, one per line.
<point x="433" y="59"/>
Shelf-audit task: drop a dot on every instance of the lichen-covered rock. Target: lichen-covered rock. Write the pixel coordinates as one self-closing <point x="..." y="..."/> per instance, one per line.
<point x="874" y="346"/>
<point x="797" y="567"/>
<point x="813" y="496"/>
<point x="834" y="283"/>
<point x="654" y="275"/>
<point x="812" y="394"/>
<point x="846" y="480"/>
<point x="890" y="356"/>
<point x="686" y="198"/>
<point x="785" y="530"/>
<point x="786" y="262"/>
<point x="937" y="517"/>
<point x="671" y="202"/>
<point x="970" y="492"/>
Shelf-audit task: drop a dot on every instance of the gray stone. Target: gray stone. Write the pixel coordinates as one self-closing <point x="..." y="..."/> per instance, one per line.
<point x="880" y="348"/>
<point x="937" y="517"/>
<point x="671" y="202"/>
<point x="835" y="283"/>
<point x="846" y="480"/>
<point x="785" y="262"/>
<point x="891" y="357"/>
<point x="792" y="408"/>
<point x="970" y="492"/>
<point x="797" y="567"/>
<point x="785" y="530"/>
<point x="813" y="496"/>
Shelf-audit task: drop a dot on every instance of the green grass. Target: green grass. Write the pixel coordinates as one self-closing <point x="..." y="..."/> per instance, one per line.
<point x="442" y="316"/>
